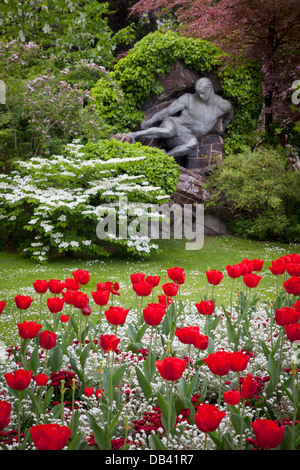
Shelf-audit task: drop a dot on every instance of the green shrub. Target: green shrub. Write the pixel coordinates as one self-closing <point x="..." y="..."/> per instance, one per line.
<point x="260" y="192"/>
<point x="53" y="205"/>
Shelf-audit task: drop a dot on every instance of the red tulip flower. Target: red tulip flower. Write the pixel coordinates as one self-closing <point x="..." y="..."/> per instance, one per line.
<point x="249" y="386"/>
<point x="286" y="315"/>
<point x="153" y="313"/>
<point x="50" y="436"/>
<point x="251" y="280"/>
<point x="232" y="397"/>
<point x="47" y="339"/>
<point x="153" y="280"/>
<point x="137" y="277"/>
<point x="56" y="286"/>
<point x="40" y="286"/>
<point x="5" y="410"/>
<point x="293" y="332"/>
<point x="239" y="361"/>
<point x="257" y="264"/>
<point x="278" y="267"/>
<point x="171" y="368"/>
<point x="23" y="302"/>
<point x="19" y="379"/>
<point x="64" y="318"/>
<point x="88" y="391"/>
<point x="187" y="334"/>
<point x="175" y="274"/>
<point x="101" y="297"/>
<point x="41" y="379"/>
<point x="164" y="300"/>
<point x="86" y="311"/>
<point x="142" y="289"/>
<point x="55" y="304"/>
<point x="214" y="277"/>
<point x="116" y="315"/>
<point x="205" y="307"/>
<point x="2" y="306"/>
<point x="293" y="269"/>
<point x="72" y="284"/>
<point x="201" y="342"/>
<point x="208" y="417"/>
<point x="29" y="329"/>
<point x="80" y="300"/>
<point x="170" y="289"/>
<point x="113" y="288"/>
<point x="219" y="362"/>
<point x="292" y="285"/>
<point x="69" y="295"/>
<point x="81" y="277"/>
<point x="109" y="342"/>
<point x="234" y="271"/>
<point x="268" y="433"/>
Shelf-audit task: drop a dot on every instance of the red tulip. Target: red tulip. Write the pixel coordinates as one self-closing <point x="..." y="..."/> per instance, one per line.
<point x="257" y="264"/>
<point x="251" y="280"/>
<point x="164" y="300"/>
<point x="201" y="342"/>
<point x="268" y="433"/>
<point x="292" y="285"/>
<point x="246" y="267"/>
<point x="239" y="361"/>
<point x="219" y="362"/>
<point x="214" y="277"/>
<point x="40" y="286"/>
<point x="278" y="267"/>
<point x="116" y="315"/>
<point x="142" y="289"/>
<point x="41" y="379"/>
<point x="232" y="397"/>
<point x="208" y="417"/>
<point x="153" y="280"/>
<point x="109" y="342"/>
<point x="5" y="410"/>
<point x="29" y="329"/>
<point x="175" y="274"/>
<point x="81" y="277"/>
<point x="234" y="271"/>
<point x="113" y="288"/>
<point x="153" y="313"/>
<point x="297" y="306"/>
<point x="2" y="305"/>
<point x="64" y="318"/>
<point x="88" y="391"/>
<point x="50" y="436"/>
<point x="171" y="368"/>
<point x="47" y="339"/>
<point x="55" y="304"/>
<point x="69" y="295"/>
<point x="56" y="286"/>
<point x="19" y="379"/>
<point x="80" y="300"/>
<point x="23" y="302"/>
<point x="137" y="277"/>
<point x="86" y="311"/>
<point x="101" y="297"/>
<point x="72" y="284"/>
<point x="286" y="315"/>
<point x="249" y="386"/>
<point x="206" y="307"/>
<point x="170" y="289"/>
<point x="293" y="269"/>
<point x="293" y="332"/>
<point x="187" y="334"/>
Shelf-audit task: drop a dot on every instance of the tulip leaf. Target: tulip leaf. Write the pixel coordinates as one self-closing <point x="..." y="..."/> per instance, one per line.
<point x="117" y="375"/>
<point x="84" y="355"/>
<point x="156" y="443"/>
<point x="102" y="437"/>
<point x="149" y="366"/>
<point x="55" y="358"/>
<point x="145" y="386"/>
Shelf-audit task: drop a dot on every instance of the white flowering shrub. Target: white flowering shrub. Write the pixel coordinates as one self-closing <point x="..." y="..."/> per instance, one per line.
<point x="53" y="205"/>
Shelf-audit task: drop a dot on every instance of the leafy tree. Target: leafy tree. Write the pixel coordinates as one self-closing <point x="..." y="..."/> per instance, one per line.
<point x="265" y="30"/>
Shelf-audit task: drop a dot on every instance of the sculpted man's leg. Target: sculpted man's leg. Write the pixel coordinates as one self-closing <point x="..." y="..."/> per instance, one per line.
<point x="184" y="148"/>
<point x="153" y="133"/>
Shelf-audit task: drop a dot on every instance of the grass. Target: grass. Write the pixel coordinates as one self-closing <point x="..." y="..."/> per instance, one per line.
<point x="17" y="274"/>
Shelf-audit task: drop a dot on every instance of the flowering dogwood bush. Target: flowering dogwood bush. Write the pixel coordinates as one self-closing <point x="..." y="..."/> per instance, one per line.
<point x="55" y="203"/>
<point x="161" y="374"/>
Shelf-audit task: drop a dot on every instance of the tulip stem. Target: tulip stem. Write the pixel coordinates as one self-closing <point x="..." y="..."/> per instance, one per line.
<point x="19" y="418"/>
<point x="242" y="423"/>
<point x="170" y="411"/>
<point x="232" y="285"/>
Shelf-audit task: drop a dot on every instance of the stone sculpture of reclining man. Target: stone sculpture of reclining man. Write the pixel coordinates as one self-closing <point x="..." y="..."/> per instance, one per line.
<point x="200" y="112"/>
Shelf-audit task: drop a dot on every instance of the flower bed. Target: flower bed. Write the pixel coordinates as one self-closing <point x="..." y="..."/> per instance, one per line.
<point x="91" y="373"/>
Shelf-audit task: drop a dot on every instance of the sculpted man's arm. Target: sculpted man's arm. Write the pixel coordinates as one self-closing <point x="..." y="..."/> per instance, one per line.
<point x="228" y="111"/>
<point x="173" y="108"/>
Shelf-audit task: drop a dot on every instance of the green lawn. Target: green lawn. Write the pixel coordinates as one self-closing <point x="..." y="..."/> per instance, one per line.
<point x="18" y="274"/>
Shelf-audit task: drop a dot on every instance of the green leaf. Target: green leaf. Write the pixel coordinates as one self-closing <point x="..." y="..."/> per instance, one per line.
<point x="55" y="358"/>
<point x="101" y="435"/>
<point x="145" y="386"/>
<point x="156" y="443"/>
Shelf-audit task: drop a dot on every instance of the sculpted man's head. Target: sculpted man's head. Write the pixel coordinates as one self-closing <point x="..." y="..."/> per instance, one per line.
<point x="204" y="88"/>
